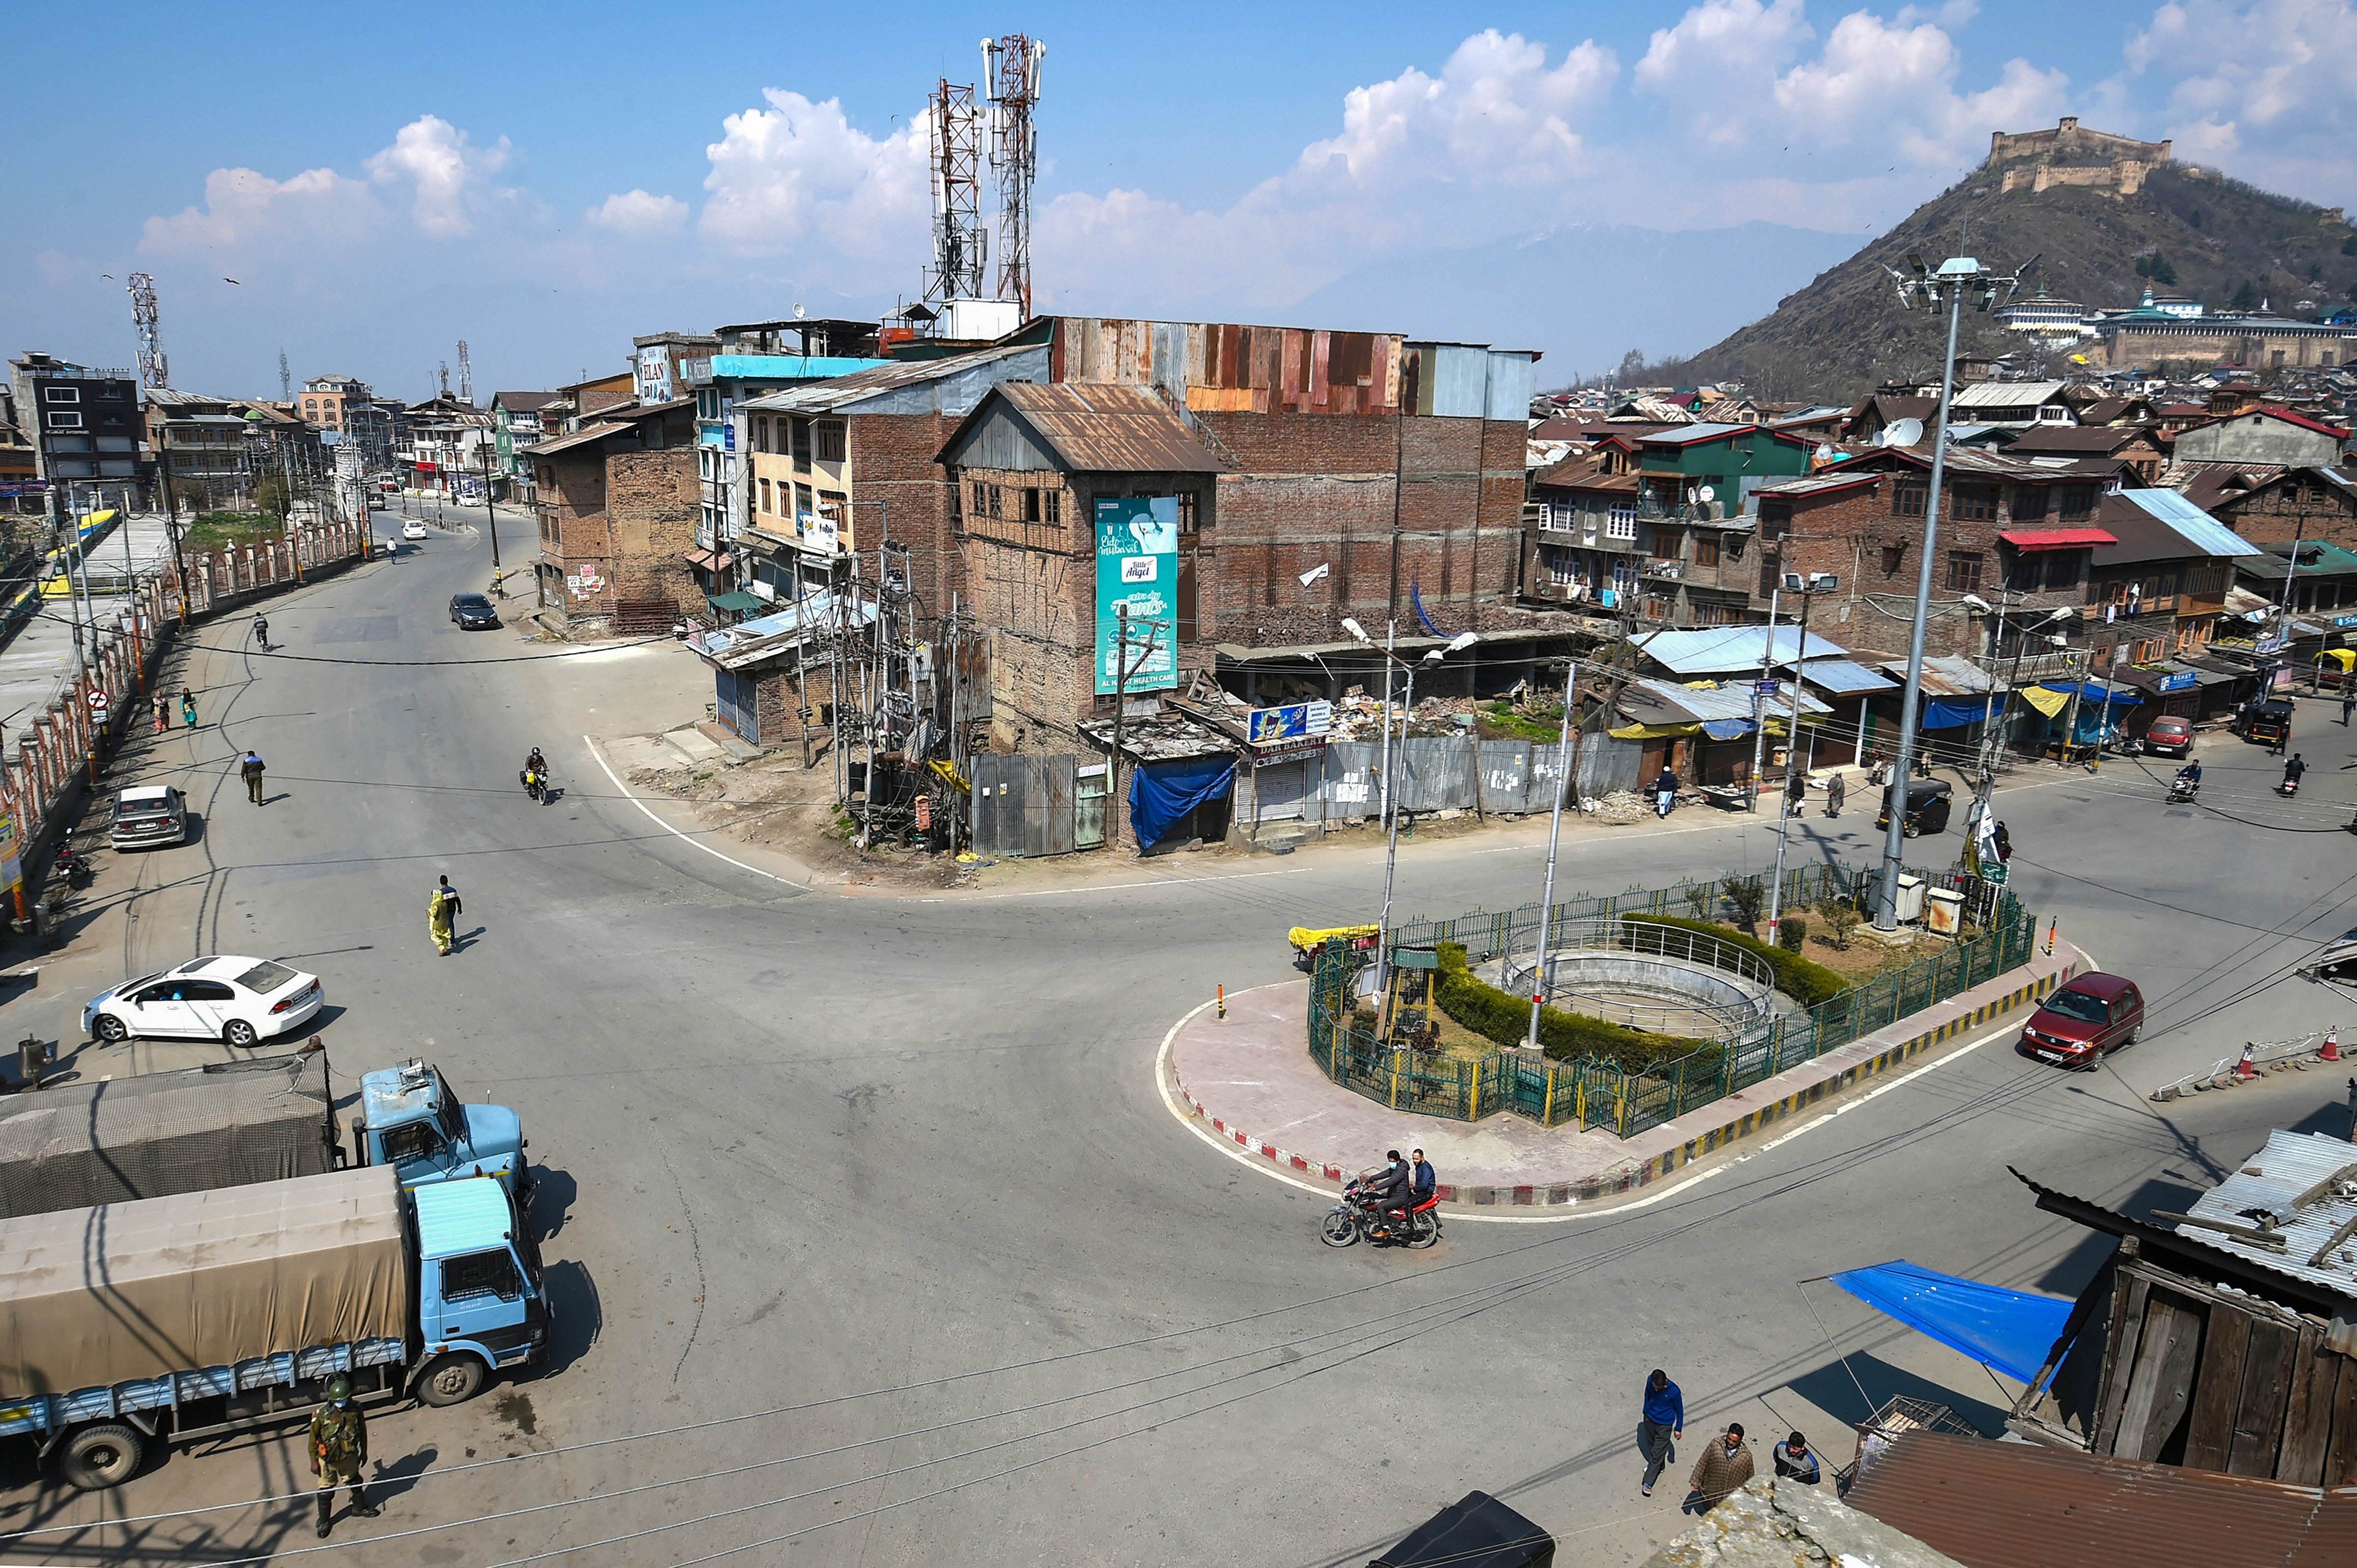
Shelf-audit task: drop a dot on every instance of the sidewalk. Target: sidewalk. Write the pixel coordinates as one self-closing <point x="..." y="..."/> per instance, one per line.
<point x="1250" y="1078"/>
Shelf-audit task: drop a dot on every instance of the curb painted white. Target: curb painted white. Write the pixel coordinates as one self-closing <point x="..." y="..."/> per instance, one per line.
<point x="622" y="790"/>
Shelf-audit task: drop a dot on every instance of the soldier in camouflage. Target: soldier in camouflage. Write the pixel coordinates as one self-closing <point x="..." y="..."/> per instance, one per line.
<point x="338" y="1448"/>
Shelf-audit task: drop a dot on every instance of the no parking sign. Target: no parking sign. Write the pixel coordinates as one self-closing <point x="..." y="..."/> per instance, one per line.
<point x="98" y="701"/>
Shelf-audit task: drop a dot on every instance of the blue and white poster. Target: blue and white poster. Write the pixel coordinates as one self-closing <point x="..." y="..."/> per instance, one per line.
<point x="1137" y="566"/>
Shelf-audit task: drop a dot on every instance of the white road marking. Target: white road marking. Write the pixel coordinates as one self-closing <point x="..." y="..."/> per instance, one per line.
<point x="694" y="843"/>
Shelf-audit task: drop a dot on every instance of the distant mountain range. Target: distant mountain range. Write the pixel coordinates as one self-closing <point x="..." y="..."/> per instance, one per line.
<point x="1586" y="294"/>
<point x="2184" y="230"/>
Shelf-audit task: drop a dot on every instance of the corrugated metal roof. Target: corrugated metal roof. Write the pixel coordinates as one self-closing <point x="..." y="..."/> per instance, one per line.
<point x="2201" y="529"/>
<point x="1686" y="435"/>
<point x="1947" y="675"/>
<point x="580" y="437"/>
<point x="1842" y="677"/>
<point x="2292" y="1166"/>
<point x="2004" y="394"/>
<point x="751" y="642"/>
<point x="1713" y="650"/>
<point x="844" y="391"/>
<point x="469" y="1215"/>
<point x="2020" y="1505"/>
<point x="1723" y="700"/>
<point x="1103" y="427"/>
<point x="1817" y="484"/>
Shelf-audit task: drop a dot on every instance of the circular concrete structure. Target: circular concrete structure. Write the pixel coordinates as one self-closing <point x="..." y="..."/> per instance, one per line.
<point x="1665" y="979"/>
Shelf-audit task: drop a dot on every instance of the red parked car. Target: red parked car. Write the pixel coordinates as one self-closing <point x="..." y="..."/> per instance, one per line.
<point x="2170" y="737"/>
<point x="2079" y="1022"/>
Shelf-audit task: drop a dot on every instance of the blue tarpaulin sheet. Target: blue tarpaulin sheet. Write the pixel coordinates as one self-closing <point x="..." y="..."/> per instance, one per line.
<point x="1162" y="793"/>
<point x="1947" y="713"/>
<point x="2009" y="1331"/>
<point x="1727" y="729"/>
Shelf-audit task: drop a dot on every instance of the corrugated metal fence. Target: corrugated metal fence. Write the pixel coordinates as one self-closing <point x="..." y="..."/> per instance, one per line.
<point x="1441" y="773"/>
<point x="1600" y="1093"/>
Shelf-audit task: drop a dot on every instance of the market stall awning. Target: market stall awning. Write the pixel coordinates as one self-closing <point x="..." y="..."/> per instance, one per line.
<point x="2009" y="1331"/>
<point x="2056" y="538"/>
<point x="1728" y="729"/>
<point x="707" y="559"/>
<point x="2048" y="701"/>
<point x="734" y="604"/>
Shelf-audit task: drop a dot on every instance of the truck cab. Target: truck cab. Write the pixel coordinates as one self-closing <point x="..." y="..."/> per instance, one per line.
<point x="481" y="1304"/>
<point x="412" y="1120"/>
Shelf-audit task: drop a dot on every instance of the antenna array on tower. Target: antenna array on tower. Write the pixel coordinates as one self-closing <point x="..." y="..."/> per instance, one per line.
<point x="152" y="370"/>
<point x="1011" y="74"/>
<point x="960" y="242"/>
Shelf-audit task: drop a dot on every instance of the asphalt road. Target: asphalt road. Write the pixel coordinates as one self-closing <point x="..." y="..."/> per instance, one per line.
<point x="868" y="1207"/>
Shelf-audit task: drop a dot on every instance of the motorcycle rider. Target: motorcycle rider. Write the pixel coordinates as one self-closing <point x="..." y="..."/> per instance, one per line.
<point x="2292" y="770"/>
<point x="535" y="767"/>
<point x="1386" y="1192"/>
<point x="1422" y="1181"/>
<point x="261" y="632"/>
<point x="2190" y="776"/>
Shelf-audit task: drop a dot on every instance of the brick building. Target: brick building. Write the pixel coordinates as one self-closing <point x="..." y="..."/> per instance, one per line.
<point x="2307" y="502"/>
<point x="1042" y="473"/>
<point x="617" y="503"/>
<point x="2018" y="525"/>
<point x="2135" y="445"/>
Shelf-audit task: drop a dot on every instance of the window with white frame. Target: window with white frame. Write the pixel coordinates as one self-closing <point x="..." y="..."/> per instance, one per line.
<point x="65" y="419"/>
<point x="1620" y="522"/>
<point x="62" y="394"/>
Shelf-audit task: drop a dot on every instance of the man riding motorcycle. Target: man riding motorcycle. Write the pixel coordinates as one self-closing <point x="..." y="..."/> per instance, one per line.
<point x="2188" y="781"/>
<point x="1386" y="1193"/>
<point x="2292" y="770"/>
<point x="535" y="773"/>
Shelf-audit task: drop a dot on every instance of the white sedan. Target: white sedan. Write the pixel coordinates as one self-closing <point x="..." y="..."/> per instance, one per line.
<point x="239" y="1000"/>
<point x="413" y="529"/>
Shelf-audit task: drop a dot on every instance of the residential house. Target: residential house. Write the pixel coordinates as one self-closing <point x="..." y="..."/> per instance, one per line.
<point x="22" y="491"/>
<point x="2012" y="402"/>
<point x="583" y="401"/>
<point x="2263" y="435"/>
<point x="749" y="359"/>
<point x="659" y="362"/>
<point x="84" y="425"/>
<point x="1695" y="485"/>
<point x="446" y="444"/>
<point x="2305" y="502"/>
<point x="617" y="508"/>
<point x="2159" y="590"/>
<point x="1872" y="415"/>
<point x="1589" y="544"/>
<point x="516" y="423"/>
<point x="2326" y="581"/>
<point x="327" y="399"/>
<point x="1068" y="495"/>
<point x="2133" y="445"/>
<point x="2133" y="409"/>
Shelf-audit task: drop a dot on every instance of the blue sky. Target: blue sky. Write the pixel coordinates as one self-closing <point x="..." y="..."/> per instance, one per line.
<point x="543" y="181"/>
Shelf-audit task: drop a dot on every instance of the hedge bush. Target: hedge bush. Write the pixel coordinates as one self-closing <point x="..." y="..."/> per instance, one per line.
<point x="1505" y="1019"/>
<point x="1804" y="980"/>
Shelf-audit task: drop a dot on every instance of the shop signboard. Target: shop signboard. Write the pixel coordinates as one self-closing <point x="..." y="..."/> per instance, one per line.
<point x="1138" y="567"/>
<point x="2180" y="680"/>
<point x="12" y="869"/>
<point x="1290" y="732"/>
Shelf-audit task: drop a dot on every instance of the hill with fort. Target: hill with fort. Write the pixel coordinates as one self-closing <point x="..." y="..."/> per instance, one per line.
<point x="2110" y="217"/>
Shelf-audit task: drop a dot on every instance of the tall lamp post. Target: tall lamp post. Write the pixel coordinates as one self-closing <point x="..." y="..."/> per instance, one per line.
<point x="1991" y="747"/>
<point x="1462" y="642"/>
<point x="1956" y="277"/>
<point x="1808" y="585"/>
<point x="1566" y="782"/>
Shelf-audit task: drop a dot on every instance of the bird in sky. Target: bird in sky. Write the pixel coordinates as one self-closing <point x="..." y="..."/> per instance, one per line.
<point x="232" y="280"/>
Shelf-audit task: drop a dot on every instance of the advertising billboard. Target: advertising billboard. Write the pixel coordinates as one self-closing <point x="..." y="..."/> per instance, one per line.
<point x="1137" y="566"/>
<point x="655" y="374"/>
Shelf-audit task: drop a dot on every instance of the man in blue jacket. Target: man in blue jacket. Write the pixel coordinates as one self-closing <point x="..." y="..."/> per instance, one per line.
<point x="1665" y="1422"/>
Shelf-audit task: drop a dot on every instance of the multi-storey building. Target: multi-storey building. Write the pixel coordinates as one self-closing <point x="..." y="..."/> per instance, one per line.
<point x="616" y="505"/>
<point x="516" y="423"/>
<point x="85" y="428"/>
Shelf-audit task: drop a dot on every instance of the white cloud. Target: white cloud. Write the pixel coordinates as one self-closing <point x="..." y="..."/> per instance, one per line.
<point x="1718" y="62"/>
<point x="638" y="213"/>
<point x="798" y="177"/>
<point x="242" y="205"/>
<point x="2272" y="82"/>
<point x="1892" y="86"/>
<point x="1497" y="112"/>
<point x="449" y="175"/>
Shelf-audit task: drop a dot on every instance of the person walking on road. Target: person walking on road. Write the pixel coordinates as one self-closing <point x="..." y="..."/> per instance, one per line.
<point x="250" y="771"/>
<point x="1836" y="788"/>
<point x="1723" y="1468"/>
<point x="442" y="915"/>
<point x="163" y="713"/>
<point x="187" y="708"/>
<point x="1664" y="1422"/>
<point x="1665" y="793"/>
<point x="2347" y="702"/>
<point x="339" y="1445"/>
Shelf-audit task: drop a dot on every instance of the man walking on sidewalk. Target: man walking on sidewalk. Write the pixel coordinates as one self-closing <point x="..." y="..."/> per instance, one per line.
<point x="1836" y="788"/>
<point x="2348" y="701"/>
<point x="1664" y="1422"/>
<point x="1723" y="1468"/>
<point x="250" y="771"/>
<point x="442" y="916"/>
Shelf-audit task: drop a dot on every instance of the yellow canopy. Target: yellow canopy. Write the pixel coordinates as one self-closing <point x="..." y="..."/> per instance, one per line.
<point x="1306" y="937"/>
<point x="2346" y="658"/>
<point x="2045" y="701"/>
<point x="1654" y="731"/>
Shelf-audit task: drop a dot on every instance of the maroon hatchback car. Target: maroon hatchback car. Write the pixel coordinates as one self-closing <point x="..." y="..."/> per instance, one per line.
<point x="2169" y="735"/>
<point x="2079" y="1022"/>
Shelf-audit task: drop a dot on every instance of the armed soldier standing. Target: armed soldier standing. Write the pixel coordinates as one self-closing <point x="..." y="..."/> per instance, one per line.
<point x="339" y="1449"/>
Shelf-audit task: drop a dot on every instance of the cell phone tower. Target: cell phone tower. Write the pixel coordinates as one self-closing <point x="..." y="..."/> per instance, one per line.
<point x="285" y="380"/>
<point x="1011" y="73"/>
<point x="153" y="370"/>
<point x="960" y="243"/>
<point x="465" y="376"/>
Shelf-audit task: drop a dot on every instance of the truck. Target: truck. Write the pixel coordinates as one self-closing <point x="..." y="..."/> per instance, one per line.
<point x="131" y="1328"/>
<point x="77" y="1146"/>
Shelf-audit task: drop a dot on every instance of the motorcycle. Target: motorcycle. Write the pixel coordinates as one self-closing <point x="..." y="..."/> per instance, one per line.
<point x="2181" y="790"/>
<point x="535" y="783"/>
<point x="1354" y="1220"/>
<point x="2287" y="788"/>
<point x="71" y="867"/>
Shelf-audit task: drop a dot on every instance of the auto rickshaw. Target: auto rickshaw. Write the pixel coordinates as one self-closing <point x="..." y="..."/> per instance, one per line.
<point x="1928" y="804"/>
<point x="2332" y="669"/>
<point x="1307" y="939"/>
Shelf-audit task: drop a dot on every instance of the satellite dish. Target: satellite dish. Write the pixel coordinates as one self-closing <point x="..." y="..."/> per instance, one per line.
<point x="1900" y="433"/>
<point x="1707" y="493"/>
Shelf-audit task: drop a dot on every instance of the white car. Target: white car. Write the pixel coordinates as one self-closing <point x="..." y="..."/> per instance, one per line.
<point x="413" y="529"/>
<point x="238" y="1001"/>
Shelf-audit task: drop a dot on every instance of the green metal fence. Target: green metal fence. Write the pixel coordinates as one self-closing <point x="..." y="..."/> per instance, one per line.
<point x="1598" y="1093"/>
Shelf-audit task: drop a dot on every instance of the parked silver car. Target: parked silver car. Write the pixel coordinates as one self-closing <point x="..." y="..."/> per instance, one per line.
<point x="149" y="816"/>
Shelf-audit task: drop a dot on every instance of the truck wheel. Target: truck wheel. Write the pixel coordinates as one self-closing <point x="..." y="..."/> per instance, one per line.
<point x="451" y="1380"/>
<point x="96" y="1457"/>
<point x="240" y="1034"/>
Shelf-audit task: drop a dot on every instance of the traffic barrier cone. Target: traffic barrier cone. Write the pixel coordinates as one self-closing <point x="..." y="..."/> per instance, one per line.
<point x="1224" y="1002"/>
<point x="2051" y="926"/>
<point x="2332" y="1048"/>
<point x="2245" y="1068"/>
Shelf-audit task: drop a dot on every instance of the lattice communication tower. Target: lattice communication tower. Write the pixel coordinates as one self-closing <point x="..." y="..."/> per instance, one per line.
<point x="153" y="370"/>
<point x="960" y="243"/>
<point x="1011" y="70"/>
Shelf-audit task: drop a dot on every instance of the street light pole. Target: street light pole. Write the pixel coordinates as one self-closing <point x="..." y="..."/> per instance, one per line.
<point x="1956" y="275"/>
<point x="1391" y="847"/>
<point x="1567" y="779"/>
<point x="1810" y="587"/>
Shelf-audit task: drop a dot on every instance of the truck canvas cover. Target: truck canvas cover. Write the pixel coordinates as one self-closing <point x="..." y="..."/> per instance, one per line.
<point x="76" y="1145"/>
<point x="92" y="1296"/>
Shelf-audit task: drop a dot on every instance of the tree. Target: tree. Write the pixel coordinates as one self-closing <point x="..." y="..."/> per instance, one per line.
<point x="1632" y="367"/>
<point x="2245" y="297"/>
<point x="273" y="495"/>
<point x="2161" y="271"/>
<point x="1747" y="895"/>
